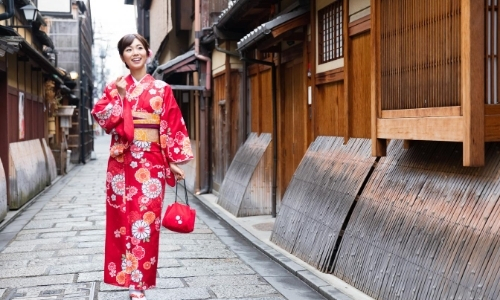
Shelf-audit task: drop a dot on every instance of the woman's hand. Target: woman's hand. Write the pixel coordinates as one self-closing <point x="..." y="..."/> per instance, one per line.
<point x="121" y="85"/>
<point x="178" y="172"/>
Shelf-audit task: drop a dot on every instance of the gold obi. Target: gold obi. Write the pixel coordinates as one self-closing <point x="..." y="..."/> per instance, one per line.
<point x="146" y="127"/>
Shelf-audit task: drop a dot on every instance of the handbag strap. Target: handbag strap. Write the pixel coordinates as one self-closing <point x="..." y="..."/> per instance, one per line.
<point x="185" y="191"/>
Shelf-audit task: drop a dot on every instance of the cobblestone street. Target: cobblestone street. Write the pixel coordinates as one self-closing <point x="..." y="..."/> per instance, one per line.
<point x="53" y="249"/>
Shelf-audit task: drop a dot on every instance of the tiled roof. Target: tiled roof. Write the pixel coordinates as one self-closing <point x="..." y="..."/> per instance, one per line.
<point x="266" y="28"/>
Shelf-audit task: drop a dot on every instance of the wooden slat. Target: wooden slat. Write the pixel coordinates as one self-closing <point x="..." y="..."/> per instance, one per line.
<point x="347" y="69"/>
<point x="432" y="128"/>
<point x="319" y="198"/>
<point x="425" y="227"/>
<point x="237" y="181"/>
<point x="423" y="112"/>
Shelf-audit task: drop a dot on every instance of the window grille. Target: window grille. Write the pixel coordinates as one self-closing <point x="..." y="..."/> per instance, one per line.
<point x="331" y="43"/>
<point x="492" y="44"/>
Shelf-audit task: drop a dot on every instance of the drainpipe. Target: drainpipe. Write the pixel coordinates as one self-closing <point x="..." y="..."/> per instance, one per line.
<point x="9" y="10"/>
<point x="206" y="94"/>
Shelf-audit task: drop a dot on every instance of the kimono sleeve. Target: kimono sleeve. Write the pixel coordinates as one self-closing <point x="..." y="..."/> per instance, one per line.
<point x="108" y="110"/>
<point x="174" y="137"/>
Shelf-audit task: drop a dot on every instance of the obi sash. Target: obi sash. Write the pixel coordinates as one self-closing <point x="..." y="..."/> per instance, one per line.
<point x="146" y="127"/>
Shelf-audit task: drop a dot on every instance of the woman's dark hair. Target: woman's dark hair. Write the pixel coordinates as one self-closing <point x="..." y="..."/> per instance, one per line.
<point x="128" y="39"/>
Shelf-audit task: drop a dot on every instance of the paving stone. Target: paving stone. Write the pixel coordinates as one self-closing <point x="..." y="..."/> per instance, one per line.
<point x="208" y="281"/>
<point x="58" y="234"/>
<point x="25" y="255"/>
<point x="167" y="263"/>
<point x="35" y="281"/>
<point x="23" y="272"/>
<point x="56" y="246"/>
<point x="73" y="225"/>
<point x="73" y="291"/>
<point x="39" y="225"/>
<point x="80" y="251"/>
<point x="207" y="254"/>
<point x="26" y="243"/>
<point x="178" y="294"/>
<point x="27" y="237"/>
<point x="204" y="271"/>
<point x="243" y="290"/>
<point x="42" y="230"/>
<point x="90" y="276"/>
<point x="55" y="261"/>
<point x="19" y="249"/>
<point x="85" y="238"/>
<point x="92" y="232"/>
<point x="91" y="244"/>
<point x="112" y="295"/>
<point x="11" y="264"/>
<point x="76" y="268"/>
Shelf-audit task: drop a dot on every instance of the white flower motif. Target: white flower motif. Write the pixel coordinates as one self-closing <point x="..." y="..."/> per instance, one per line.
<point x="142" y="144"/>
<point x="128" y="245"/>
<point x="113" y="197"/>
<point x="141" y="230"/>
<point x="118" y="184"/>
<point x="153" y="260"/>
<point x="160" y="175"/>
<point x="152" y="188"/>
<point x="133" y="164"/>
<point x="176" y="150"/>
<point x="159" y="84"/>
<point x="117" y="233"/>
<point x="112" y="273"/>
<point x="152" y="91"/>
<point x="136" y="276"/>
<point x="137" y="154"/>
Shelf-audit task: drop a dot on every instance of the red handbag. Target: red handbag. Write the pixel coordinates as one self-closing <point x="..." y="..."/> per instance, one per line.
<point x="179" y="217"/>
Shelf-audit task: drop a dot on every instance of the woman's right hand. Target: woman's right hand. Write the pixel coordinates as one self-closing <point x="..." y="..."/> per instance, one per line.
<point x="121" y="85"/>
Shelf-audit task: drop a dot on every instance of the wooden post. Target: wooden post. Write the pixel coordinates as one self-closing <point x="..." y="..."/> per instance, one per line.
<point x="473" y="79"/>
<point x="347" y="42"/>
<point x="379" y="146"/>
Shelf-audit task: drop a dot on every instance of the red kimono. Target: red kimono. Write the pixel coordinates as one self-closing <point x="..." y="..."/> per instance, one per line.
<point x="148" y="131"/>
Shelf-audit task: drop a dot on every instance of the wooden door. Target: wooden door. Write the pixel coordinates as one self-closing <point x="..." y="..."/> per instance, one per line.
<point x="294" y="120"/>
<point x="360" y="86"/>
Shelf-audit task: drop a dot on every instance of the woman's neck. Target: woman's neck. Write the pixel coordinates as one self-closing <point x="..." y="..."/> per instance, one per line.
<point x="138" y="74"/>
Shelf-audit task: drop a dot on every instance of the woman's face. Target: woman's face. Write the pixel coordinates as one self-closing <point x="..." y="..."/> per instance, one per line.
<point x="135" y="55"/>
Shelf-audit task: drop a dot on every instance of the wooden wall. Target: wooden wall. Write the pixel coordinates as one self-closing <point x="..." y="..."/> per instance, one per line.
<point x="260" y="83"/>
<point x="329" y="110"/>
<point x="225" y="120"/>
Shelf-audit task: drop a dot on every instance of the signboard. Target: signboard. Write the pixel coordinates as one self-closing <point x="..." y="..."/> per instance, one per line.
<point x="21" y="116"/>
<point x="54" y="6"/>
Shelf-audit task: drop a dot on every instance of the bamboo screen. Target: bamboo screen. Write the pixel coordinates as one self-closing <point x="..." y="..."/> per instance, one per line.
<point x="420" y="53"/>
<point x="492" y="45"/>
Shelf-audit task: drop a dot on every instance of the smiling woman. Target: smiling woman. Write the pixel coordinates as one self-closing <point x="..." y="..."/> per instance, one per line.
<point x="149" y="140"/>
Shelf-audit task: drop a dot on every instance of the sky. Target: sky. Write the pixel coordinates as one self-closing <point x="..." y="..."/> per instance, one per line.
<point x="112" y="20"/>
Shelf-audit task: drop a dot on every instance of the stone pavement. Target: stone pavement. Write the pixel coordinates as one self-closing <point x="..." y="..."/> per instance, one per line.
<point x="53" y="249"/>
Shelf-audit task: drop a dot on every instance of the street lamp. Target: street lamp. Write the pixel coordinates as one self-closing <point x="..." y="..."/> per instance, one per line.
<point x="29" y="12"/>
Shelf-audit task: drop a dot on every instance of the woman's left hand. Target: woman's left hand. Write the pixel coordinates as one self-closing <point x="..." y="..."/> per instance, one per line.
<point x="178" y="172"/>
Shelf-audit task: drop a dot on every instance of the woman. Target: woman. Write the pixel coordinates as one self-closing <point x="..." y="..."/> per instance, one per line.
<point x="149" y="140"/>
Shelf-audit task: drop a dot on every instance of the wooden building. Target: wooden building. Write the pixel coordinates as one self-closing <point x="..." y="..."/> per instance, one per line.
<point x="26" y="64"/>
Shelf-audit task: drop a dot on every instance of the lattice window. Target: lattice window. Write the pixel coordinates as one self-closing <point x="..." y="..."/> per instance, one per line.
<point x="492" y="45"/>
<point x="331" y="43"/>
<point x="420" y="54"/>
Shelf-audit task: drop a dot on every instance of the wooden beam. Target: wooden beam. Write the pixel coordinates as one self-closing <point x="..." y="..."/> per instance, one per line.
<point x="472" y="70"/>
<point x="379" y="146"/>
<point x="359" y="26"/>
<point x="330" y="76"/>
<point x="292" y="24"/>
<point x="423" y="112"/>
<point x="433" y="128"/>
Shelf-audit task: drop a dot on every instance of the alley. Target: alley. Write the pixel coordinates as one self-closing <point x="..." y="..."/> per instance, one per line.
<point x="53" y="249"/>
